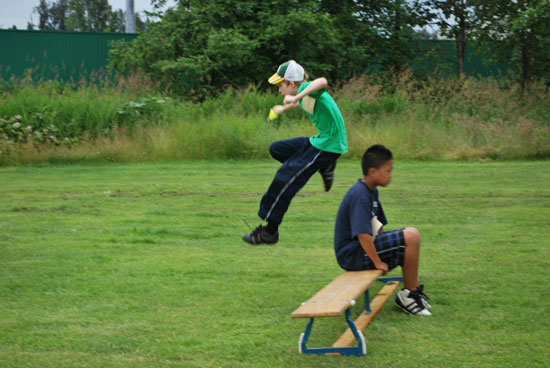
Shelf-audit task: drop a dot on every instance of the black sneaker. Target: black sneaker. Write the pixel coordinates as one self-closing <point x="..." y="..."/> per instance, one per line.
<point x="328" y="175"/>
<point x="420" y="291"/>
<point x="261" y="236"/>
<point x="411" y="302"/>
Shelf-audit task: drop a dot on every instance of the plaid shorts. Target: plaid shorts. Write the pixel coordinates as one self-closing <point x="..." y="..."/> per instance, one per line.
<point x="390" y="246"/>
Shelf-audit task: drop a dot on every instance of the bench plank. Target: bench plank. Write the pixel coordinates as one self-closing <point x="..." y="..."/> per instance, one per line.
<point x="336" y="297"/>
<point x="347" y="338"/>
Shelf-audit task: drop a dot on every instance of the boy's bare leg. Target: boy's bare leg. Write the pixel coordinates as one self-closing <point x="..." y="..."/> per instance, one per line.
<point x="412" y="256"/>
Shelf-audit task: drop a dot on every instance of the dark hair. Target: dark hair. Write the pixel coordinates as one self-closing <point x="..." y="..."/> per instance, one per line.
<point x="374" y="157"/>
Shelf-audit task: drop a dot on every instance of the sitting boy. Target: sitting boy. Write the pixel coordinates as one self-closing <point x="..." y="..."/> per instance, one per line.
<point x="360" y="241"/>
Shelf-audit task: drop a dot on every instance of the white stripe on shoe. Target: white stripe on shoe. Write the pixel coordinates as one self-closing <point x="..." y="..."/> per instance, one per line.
<point x="410" y="305"/>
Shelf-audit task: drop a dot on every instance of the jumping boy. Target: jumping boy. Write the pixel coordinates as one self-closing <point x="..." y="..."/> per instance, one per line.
<point x="301" y="157"/>
<point x="360" y="241"/>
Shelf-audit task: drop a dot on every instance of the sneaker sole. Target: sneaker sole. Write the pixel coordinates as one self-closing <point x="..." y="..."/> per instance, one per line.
<point x="260" y="243"/>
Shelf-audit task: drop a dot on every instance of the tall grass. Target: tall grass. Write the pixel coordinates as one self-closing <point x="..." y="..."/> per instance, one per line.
<point x="130" y="121"/>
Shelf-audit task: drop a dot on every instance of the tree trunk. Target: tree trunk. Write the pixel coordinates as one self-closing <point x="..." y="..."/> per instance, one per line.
<point x="461" y="39"/>
<point x="397" y="62"/>
<point x="525" y="38"/>
<point x="460" y="53"/>
<point x="525" y="64"/>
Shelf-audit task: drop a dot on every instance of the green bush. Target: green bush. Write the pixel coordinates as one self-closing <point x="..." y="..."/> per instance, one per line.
<point x="74" y="113"/>
<point x="199" y="48"/>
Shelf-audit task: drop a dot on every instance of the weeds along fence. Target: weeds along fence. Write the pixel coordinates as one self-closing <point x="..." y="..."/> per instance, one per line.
<point x="129" y="121"/>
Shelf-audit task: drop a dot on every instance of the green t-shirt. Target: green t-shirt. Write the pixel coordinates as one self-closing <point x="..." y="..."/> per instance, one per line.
<point x="321" y="108"/>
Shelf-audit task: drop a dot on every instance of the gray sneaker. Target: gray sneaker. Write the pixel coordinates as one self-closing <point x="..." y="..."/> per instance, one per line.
<point x="261" y="236"/>
<point x="411" y="302"/>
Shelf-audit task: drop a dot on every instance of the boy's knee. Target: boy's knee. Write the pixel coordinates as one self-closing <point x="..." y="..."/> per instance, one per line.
<point x="412" y="236"/>
<point x="276" y="152"/>
<point x="273" y="149"/>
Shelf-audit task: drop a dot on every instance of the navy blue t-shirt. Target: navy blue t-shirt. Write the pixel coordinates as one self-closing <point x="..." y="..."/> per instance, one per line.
<point x="359" y="206"/>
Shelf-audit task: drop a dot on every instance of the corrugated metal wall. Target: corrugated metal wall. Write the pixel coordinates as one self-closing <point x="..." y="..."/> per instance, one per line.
<point x="55" y="54"/>
<point x="75" y="55"/>
<point x="441" y="55"/>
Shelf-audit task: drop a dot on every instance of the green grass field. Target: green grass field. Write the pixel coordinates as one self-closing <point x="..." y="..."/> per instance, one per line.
<point x="142" y="265"/>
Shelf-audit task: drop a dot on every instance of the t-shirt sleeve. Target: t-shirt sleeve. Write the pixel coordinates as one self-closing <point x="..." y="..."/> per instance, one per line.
<point x="381" y="214"/>
<point x="317" y="94"/>
<point x="360" y="217"/>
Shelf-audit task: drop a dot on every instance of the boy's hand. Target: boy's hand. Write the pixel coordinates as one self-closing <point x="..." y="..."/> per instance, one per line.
<point x="278" y="109"/>
<point x="289" y="99"/>
<point x="383" y="266"/>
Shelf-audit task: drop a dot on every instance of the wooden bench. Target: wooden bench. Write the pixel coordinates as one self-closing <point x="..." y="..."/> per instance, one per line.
<point x="337" y="298"/>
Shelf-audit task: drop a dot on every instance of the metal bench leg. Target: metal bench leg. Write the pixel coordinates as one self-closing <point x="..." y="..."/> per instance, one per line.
<point x="304" y="337"/>
<point x="367" y="302"/>
<point x="360" y="349"/>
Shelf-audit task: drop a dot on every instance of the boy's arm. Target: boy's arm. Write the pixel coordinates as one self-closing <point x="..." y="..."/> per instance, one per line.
<point x="368" y="246"/>
<point x="281" y="109"/>
<point x="316" y="85"/>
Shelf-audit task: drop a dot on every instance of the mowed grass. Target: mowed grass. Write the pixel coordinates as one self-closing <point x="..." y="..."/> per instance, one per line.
<point x="142" y="265"/>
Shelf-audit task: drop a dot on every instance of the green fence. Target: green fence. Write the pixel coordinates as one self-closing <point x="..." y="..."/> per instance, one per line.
<point x="55" y="54"/>
<point x="441" y="55"/>
<point x="76" y="55"/>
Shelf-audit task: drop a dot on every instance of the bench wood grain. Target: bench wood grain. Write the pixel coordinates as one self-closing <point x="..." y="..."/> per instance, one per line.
<point x="337" y="296"/>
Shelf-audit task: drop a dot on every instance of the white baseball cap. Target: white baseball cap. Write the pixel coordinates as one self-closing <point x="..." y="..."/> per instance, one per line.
<point x="290" y="71"/>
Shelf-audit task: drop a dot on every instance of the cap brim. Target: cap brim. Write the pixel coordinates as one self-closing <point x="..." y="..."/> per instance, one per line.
<point x="275" y="79"/>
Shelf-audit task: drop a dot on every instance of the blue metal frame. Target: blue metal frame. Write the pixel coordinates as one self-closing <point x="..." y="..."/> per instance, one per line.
<point x="358" y="350"/>
<point x="388" y="279"/>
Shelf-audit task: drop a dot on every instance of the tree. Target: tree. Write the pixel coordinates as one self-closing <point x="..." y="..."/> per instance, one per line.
<point x="89" y="15"/>
<point x="201" y="46"/>
<point x="455" y="19"/>
<point x="516" y="30"/>
<point x="205" y="45"/>
<point x="58" y="14"/>
<point x="141" y="25"/>
<point x="43" y="11"/>
<point x="389" y="27"/>
<point x="118" y="21"/>
<point x="398" y="28"/>
<point x="82" y="15"/>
